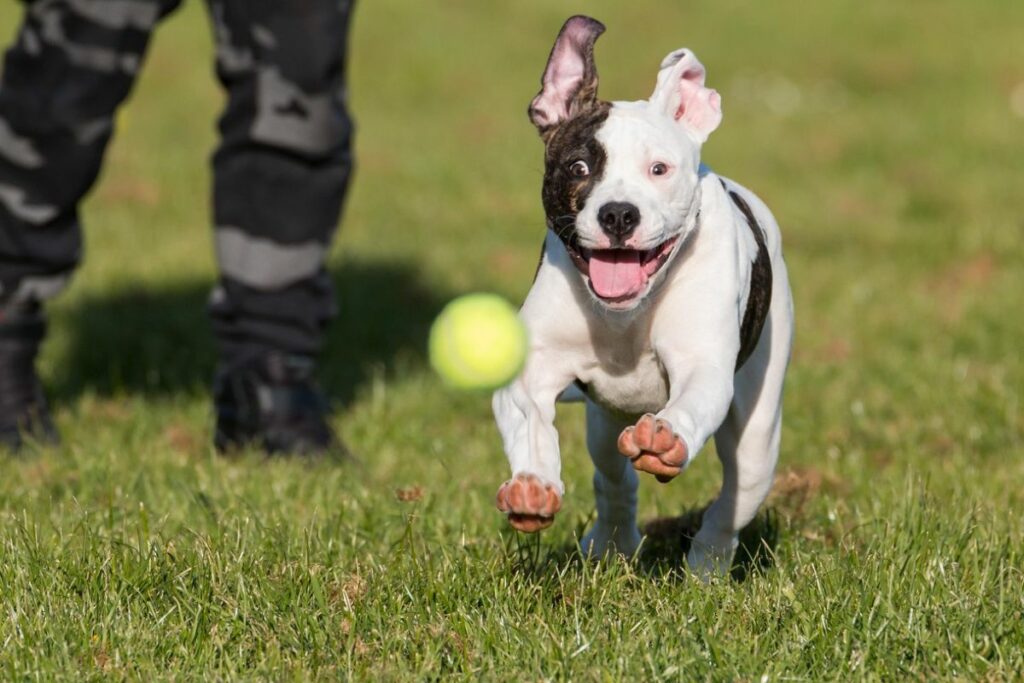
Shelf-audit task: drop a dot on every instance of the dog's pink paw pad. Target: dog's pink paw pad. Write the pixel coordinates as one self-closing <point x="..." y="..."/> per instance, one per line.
<point x="529" y="503"/>
<point x="653" y="447"/>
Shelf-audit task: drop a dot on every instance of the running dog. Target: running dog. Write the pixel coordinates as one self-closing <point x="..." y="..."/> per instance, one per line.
<point x="661" y="299"/>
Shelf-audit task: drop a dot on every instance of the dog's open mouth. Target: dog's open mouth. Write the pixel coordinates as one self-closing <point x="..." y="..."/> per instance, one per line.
<point x="620" y="275"/>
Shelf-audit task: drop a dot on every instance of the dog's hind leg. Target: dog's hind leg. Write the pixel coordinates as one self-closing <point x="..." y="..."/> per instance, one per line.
<point x="748" y="447"/>
<point x="615" y="485"/>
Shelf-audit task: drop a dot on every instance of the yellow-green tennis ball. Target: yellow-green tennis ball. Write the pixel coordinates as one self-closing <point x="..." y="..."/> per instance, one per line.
<point x="478" y="342"/>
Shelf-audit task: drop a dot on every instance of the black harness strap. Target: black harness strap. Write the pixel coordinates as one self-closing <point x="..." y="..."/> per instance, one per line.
<point x="760" y="297"/>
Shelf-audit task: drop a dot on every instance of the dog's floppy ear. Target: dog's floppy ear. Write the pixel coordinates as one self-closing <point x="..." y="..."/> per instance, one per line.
<point x="569" y="84"/>
<point x="681" y="94"/>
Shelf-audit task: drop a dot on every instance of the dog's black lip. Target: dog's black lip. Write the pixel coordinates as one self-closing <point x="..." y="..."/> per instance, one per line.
<point x="581" y="262"/>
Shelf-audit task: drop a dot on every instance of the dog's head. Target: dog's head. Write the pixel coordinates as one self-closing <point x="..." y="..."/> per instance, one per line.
<point x="621" y="178"/>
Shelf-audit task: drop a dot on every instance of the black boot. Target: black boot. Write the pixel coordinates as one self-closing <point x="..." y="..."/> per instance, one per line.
<point x="23" y="409"/>
<point x="271" y="401"/>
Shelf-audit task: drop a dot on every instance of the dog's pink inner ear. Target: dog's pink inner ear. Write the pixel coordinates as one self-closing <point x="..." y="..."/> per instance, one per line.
<point x="698" y="106"/>
<point x="561" y="80"/>
<point x="682" y="95"/>
<point x="569" y="83"/>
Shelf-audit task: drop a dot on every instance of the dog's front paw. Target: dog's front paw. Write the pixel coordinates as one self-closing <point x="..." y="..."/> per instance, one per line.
<point x="530" y="503"/>
<point x="653" y="447"/>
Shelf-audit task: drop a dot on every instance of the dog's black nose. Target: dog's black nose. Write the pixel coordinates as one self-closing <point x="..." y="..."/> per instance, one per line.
<point x="618" y="219"/>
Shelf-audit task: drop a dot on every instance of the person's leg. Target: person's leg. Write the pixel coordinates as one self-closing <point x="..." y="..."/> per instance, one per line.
<point x="615" y="486"/>
<point x="280" y="176"/>
<point x="72" y="63"/>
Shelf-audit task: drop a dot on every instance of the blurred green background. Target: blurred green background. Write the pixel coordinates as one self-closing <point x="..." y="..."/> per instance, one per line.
<point x="886" y="137"/>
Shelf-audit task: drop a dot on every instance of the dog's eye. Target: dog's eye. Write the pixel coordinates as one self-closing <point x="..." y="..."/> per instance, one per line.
<point x="659" y="169"/>
<point x="579" y="169"/>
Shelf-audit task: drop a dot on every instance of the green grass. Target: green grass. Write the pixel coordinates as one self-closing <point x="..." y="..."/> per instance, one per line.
<point x="883" y="136"/>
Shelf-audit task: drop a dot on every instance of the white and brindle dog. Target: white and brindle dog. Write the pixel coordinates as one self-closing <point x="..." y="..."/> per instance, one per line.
<point x="661" y="296"/>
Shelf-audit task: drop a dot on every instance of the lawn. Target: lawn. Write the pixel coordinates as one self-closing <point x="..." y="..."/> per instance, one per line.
<point x="889" y="140"/>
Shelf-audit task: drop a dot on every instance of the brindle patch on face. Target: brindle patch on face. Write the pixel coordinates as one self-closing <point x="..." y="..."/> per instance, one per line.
<point x="564" y="194"/>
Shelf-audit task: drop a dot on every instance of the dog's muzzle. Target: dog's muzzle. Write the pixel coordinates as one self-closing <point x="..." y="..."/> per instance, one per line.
<point x="619" y="276"/>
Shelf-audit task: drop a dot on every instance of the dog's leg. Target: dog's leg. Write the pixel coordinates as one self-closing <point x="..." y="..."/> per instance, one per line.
<point x="662" y="444"/>
<point x="748" y="447"/>
<point x="615" y="484"/>
<point x="748" y="455"/>
<point x="525" y="413"/>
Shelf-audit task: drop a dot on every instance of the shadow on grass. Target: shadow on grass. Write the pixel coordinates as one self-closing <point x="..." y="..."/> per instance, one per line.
<point x="666" y="542"/>
<point x="668" y="539"/>
<point x="157" y="340"/>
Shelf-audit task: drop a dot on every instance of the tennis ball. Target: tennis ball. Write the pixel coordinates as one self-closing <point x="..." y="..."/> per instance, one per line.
<point x="478" y="342"/>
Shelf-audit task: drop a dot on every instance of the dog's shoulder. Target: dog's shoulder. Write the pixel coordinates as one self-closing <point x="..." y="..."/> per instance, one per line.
<point x="739" y="196"/>
<point x="753" y="226"/>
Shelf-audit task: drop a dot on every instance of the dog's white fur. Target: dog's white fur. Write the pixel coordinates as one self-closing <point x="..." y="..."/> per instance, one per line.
<point x="673" y="352"/>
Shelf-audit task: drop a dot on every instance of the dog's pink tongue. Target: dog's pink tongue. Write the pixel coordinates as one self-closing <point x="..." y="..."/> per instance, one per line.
<point x="616" y="273"/>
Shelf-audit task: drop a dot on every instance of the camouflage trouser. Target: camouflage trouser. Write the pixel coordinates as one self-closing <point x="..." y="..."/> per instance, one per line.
<point x="280" y="171"/>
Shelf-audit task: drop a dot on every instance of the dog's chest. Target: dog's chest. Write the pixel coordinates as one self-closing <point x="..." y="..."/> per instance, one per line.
<point x="629" y="383"/>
